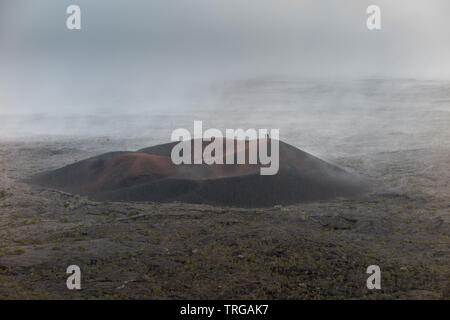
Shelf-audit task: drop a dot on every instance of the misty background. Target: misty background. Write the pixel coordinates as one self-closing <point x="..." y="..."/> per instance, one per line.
<point x="310" y="68"/>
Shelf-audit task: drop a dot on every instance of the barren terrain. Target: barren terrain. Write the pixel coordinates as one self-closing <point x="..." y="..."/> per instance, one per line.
<point x="312" y="250"/>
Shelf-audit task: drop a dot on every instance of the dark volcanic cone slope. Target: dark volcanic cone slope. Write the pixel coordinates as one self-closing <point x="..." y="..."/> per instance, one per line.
<point x="150" y="175"/>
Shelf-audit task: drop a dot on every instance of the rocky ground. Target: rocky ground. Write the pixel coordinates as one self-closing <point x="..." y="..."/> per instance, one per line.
<point x="317" y="250"/>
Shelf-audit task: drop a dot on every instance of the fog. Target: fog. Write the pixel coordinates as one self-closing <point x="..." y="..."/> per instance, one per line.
<point x="194" y="59"/>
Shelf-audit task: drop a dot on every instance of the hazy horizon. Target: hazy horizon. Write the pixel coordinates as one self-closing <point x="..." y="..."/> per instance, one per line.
<point x="135" y="57"/>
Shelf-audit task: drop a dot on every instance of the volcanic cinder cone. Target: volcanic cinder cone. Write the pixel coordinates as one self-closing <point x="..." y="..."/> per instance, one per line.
<point x="149" y="175"/>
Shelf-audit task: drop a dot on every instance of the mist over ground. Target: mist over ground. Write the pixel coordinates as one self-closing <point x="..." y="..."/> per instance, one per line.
<point x="310" y="68"/>
<point x="327" y="118"/>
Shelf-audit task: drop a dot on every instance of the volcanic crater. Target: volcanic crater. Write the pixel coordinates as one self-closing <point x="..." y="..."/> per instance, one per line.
<point x="150" y="175"/>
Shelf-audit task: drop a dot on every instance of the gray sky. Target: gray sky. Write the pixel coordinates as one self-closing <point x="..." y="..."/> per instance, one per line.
<point x="141" y="55"/>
